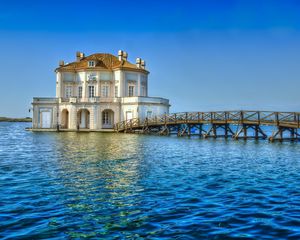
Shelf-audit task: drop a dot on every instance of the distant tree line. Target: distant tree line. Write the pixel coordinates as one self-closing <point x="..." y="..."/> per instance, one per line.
<point x="6" y="119"/>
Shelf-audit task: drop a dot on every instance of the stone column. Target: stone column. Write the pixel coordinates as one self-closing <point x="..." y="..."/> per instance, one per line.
<point x="139" y="85"/>
<point x="35" y="117"/>
<point x="59" y="85"/>
<point x="122" y="85"/>
<point x="72" y="117"/>
<point x="98" y="86"/>
<point x="146" y="86"/>
<point x="84" y="87"/>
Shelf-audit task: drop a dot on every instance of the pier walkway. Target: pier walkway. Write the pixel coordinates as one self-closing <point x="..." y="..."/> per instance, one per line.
<point x="234" y="124"/>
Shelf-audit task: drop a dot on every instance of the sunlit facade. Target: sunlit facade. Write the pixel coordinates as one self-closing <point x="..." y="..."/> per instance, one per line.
<point x="95" y="92"/>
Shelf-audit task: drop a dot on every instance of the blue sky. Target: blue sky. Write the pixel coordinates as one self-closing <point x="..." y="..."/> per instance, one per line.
<point x="202" y="55"/>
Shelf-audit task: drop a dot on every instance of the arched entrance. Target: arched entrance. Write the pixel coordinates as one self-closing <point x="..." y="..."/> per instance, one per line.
<point x="83" y="119"/>
<point x="107" y="118"/>
<point x="64" y="119"/>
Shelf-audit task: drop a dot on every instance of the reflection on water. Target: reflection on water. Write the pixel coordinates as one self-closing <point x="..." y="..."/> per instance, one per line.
<point x="94" y="185"/>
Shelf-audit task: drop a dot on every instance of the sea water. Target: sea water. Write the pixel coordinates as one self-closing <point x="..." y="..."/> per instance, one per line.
<point x="131" y="186"/>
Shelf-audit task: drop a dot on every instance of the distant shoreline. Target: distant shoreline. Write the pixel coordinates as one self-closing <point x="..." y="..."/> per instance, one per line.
<point x="6" y="119"/>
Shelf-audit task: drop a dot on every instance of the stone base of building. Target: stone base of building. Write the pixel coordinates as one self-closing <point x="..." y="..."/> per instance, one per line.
<point x="69" y="130"/>
<point x="93" y="114"/>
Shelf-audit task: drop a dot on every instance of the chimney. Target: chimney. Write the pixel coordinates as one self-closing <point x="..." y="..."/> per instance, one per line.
<point x="120" y="55"/>
<point x="143" y="64"/>
<point x="138" y="62"/>
<point x="61" y="63"/>
<point x="125" y="55"/>
<point x="79" y="56"/>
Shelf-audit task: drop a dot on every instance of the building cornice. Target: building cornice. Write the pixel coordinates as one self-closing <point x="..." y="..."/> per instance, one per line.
<point x="99" y="69"/>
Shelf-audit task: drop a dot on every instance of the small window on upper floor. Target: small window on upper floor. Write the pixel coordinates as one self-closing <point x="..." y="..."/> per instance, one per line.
<point x="80" y="91"/>
<point x="91" y="63"/>
<point x="68" y="91"/>
<point x="91" y="91"/>
<point x="130" y="91"/>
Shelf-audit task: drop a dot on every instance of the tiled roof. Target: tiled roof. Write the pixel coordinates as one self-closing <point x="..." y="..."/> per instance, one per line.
<point x="103" y="61"/>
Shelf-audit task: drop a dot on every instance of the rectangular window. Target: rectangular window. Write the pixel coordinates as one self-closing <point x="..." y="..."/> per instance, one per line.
<point x="105" y="118"/>
<point x="68" y="91"/>
<point x="80" y="92"/>
<point x="116" y="91"/>
<point x="91" y="91"/>
<point x="105" y="91"/>
<point x="91" y="64"/>
<point x="143" y="91"/>
<point x="130" y="91"/>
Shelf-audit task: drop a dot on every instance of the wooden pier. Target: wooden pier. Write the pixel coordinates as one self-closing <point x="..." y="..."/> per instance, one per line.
<point x="233" y="124"/>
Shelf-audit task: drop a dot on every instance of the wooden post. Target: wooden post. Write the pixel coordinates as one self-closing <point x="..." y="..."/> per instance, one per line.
<point x="256" y="131"/>
<point x="280" y="134"/>
<point x="292" y="131"/>
<point x="242" y="117"/>
<point x="200" y="130"/>
<point x="214" y="130"/>
<point x="245" y="131"/>
<point x="277" y="118"/>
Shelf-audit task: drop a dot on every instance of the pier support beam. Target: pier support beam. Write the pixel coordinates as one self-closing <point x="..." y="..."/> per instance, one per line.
<point x="212" y="132"/>
<point x="164" y="130"/>
<point x="244" y="133"/>
<point x="279" y="134"/>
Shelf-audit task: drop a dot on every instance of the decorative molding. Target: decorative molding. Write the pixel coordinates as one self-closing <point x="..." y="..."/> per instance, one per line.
<point x="131" y="81"/>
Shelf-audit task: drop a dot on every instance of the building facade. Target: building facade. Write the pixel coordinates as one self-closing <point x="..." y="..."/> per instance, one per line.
<point x="95" y="92"/>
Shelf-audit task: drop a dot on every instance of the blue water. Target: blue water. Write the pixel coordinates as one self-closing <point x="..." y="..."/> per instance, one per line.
<point x="126" y="186"/>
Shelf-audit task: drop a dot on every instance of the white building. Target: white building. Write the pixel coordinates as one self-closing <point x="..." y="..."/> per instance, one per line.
<point x="96" y="91"/>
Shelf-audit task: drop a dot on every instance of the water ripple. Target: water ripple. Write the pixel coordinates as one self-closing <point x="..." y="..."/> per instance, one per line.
<point x="109" y="186"/>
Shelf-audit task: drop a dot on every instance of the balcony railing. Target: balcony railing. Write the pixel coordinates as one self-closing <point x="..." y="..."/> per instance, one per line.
<point x="102" y="100"/>
<point x="45" y="100"/>
<point x="88" y="100"/>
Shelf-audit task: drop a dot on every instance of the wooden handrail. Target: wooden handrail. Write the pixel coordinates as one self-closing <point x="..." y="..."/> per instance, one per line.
<point x="291" y="119"/>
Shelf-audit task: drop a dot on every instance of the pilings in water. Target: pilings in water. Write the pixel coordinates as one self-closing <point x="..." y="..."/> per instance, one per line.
<point x="243" y="132"/>
<point x="212" y="132"/>
<point x="279" y="134"/>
